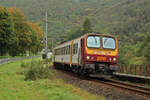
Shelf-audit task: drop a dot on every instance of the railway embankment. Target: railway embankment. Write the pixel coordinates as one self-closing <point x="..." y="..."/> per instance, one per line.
<point x="100" y="89"/>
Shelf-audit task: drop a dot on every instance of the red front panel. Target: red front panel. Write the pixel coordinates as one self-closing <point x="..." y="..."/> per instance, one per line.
<point x="97" y="58"/>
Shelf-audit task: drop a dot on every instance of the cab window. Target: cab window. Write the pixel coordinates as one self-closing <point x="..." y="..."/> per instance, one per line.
<point x="93" y="42"/>
<point x="109" y="43"/>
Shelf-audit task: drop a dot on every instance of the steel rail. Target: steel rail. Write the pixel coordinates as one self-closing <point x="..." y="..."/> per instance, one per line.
<point x="134" y="88"/>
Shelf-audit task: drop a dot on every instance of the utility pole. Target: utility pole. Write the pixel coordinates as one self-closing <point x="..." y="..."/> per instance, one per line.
<point x="44" y="55"/>
<point x="46" y="51"/>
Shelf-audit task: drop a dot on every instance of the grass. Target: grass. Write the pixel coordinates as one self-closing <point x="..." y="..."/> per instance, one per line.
<point x="13" y="86"/>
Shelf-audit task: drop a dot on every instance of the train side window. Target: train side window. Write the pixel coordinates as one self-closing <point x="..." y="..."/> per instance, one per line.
<point x="69" y="49"/>
<point x="56" y="52"/>
<point x="65" y="50"/>
<point x="74" y="48"/>
<point x="62" y="51"/>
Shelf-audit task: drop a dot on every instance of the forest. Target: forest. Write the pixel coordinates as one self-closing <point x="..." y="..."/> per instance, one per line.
<point x="129" y="20"/>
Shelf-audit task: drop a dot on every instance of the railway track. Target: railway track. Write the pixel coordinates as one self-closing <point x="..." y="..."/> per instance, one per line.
<point x="116" y="84"/>
<point x="125" y="86"/>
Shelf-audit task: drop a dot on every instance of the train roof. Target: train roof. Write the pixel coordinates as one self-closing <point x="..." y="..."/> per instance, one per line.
<point x="99" y="34"/>
<point x="67" y="42"/>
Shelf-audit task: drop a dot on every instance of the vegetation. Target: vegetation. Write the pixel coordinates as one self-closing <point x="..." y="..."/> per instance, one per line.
<point x="36" y="70"/>
<point x="129" y="20"/>
<point x="87" y="26"/>
<point x="13" y="86"/>
<point x="6" y="30"/>
<point x="17" y="34"/>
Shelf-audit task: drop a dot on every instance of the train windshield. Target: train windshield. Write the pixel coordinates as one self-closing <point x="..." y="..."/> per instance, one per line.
<point x="93" y="41"/>
<point x="109" y="43"/>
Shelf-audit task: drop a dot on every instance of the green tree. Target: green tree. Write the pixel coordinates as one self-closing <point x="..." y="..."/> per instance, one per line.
<point x="36" y="38"/>
<point x="28" y="35"/>
<point x="147" y="52"/>
<point x="6" y="31"/>
<point x="22" y="32"/>
<point x="145" y="47"/>
<point x="87" y="26"/>
<point x="74" y="33"/>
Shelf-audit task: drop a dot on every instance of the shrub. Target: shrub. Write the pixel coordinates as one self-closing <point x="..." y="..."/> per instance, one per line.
<point x="23" y="65"/>
<point x="37" y="70"/>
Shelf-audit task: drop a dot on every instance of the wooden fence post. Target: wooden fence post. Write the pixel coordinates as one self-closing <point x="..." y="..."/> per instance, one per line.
<point x="123" y="68"/>
<point x="126" y="69"/>
<point x="146" y="70"/>
<point x="135" y="69"/>
<point x="119" y="68"/>
<point x="130" y="69"/>
<point x="141" y="71"/>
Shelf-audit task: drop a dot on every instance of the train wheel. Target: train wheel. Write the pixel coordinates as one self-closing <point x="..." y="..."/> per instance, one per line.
<point x="83" y="74"/>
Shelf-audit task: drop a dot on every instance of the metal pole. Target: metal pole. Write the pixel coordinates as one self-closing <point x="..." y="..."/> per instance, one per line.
<point x="46" y="35"/>
<point x="52" y="44"/>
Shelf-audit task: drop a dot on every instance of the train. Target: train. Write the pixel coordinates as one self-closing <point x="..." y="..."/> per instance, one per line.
<point x="90" y="54"/>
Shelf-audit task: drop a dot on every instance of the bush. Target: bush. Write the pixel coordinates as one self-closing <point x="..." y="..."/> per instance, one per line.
<point x="37" y="70"/>
<point x="23" y="65"/>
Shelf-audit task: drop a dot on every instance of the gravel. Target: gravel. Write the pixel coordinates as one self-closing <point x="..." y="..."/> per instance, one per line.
<point x="109" y="92"/>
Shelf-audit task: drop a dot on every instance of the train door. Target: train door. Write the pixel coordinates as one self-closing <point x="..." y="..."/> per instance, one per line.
<point x="82" y="52"/>
<point x="71" y="47"/>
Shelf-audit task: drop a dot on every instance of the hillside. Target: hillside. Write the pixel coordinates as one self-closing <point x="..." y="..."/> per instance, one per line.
<point x="116" y="16"/>
<point x="127" y="19"/>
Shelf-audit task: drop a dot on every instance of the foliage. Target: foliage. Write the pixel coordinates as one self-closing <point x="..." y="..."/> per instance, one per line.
<point x="6" y="31"/>
<point x="74" y="33"/>
<point x="145" y="47"/>
<point x="17" y="34"/>
<point x="87" y="26"/>
<point x="36" y="38"/>
<point x="77" y="31"/>
<point x="36" y="70"/>
<point x="21" y="30"/>
<point x="23" y="65"/>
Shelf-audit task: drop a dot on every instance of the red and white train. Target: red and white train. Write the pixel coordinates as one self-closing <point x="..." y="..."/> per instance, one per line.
<point x="89" y="54"/>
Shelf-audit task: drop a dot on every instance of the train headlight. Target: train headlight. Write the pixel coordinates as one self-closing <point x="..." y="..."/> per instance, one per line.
<point x="114" y="59"/>
<point x="87" y="57"/>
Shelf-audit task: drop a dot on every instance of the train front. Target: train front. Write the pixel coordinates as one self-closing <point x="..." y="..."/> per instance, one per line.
<point x="101" y="54"/>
